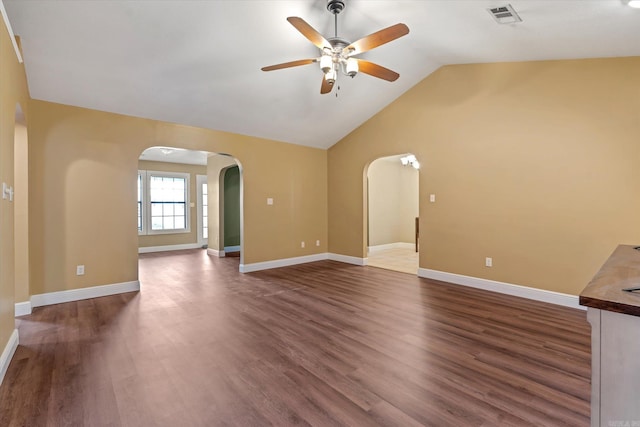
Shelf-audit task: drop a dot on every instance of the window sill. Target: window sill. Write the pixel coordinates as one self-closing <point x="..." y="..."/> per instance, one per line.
<point x="163" y="232"/>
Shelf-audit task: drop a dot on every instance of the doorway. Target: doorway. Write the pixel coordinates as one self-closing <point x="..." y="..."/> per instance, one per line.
<point x="180" y="200"/>
<point x="393" y="211"/>
<point x="19" y="195"/>
<point x="231" y="211"/>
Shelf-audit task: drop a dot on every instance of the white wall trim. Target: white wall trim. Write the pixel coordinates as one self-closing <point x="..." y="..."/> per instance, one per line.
<point x="503" y="288"/>
<point x="149" y="249"/>
<point x="7" y="353"/>
<point x="232" y="249"/>
<point x="395" y="245"/>
<point x="23" y="308"/>
<point x="215" y="252"/>
<point x="84" y="293"/>
<point x="5" y="17"/>
<point x="248" y="268"/>
<point x="257" y="266"/>
<point x="348" y="259"/>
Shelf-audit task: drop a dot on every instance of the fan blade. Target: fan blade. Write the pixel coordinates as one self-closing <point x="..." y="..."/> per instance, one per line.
<point x="376" y="70"/>
<point x="289" y="64"/>
<point x="377" y="39"/>
<point x="309" y="32"/>
<point x="326" y="87"/>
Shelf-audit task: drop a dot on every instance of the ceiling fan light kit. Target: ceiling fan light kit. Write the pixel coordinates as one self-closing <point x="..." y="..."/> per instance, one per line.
<point x="337" y="54"/>
<point x="326" y="63"/>
<point x="351" y="67"/>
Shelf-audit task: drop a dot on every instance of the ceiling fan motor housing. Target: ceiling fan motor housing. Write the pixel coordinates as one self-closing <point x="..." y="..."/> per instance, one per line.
<point x="337" y="52"/>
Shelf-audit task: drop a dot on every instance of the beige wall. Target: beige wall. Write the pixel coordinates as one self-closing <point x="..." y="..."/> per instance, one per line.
<point x="21" y="213"/>
<point x="175" y="238"/>
<point x="393" y="201"/>
<point x="13" y="90"/>
<point x="83" y="166"/>
<point x="535" y="164"/>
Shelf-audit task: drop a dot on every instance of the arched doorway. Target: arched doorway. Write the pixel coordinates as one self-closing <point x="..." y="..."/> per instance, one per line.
<point x="181" y="200"/>
<point x="222" y="217"/>
<point x="392" y="212"/>
<point x="230" y="186"/>
<point x="20" y="195"/>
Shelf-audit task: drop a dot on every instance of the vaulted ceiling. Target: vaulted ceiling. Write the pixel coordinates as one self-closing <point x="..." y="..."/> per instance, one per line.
<point x="198" y="62"/>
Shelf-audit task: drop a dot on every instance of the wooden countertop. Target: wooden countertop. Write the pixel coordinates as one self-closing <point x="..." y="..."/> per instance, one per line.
<point x="621" y="270"/>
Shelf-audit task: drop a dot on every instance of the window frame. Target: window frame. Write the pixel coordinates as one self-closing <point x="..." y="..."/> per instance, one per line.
<point x="141" y="181"/>
<point x="146" y="202"/>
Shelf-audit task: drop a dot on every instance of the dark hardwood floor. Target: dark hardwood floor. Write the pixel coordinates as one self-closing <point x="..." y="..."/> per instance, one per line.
<point x="319" y="344"/>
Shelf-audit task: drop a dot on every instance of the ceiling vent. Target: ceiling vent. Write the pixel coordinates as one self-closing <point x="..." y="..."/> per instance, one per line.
<point x="505" y="14"/>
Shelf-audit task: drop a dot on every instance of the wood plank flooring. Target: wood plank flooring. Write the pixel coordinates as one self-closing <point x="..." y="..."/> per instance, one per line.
<point x="319" y="344"/>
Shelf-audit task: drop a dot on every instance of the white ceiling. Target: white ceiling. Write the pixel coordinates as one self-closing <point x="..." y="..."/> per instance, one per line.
<point x="175" y="155"/>
<point x="198" y="62"/>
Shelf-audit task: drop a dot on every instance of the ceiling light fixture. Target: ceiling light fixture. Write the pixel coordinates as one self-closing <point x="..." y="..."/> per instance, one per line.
<point x="351" y="67"/>
<point x="634" y="4"/>
<point x="410" y="160"/>
<point x="330" y="76"/>
<point x="326" y="63"/>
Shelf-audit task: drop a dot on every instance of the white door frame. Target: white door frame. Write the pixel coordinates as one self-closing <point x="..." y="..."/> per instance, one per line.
<point x="200" y="179"/>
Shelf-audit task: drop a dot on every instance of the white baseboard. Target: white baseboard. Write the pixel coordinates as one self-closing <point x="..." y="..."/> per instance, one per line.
<point x="7" y="353"/>
<point x="396" y="245"/>
<point x="231" y="249"/>
<point x="84" y="293"/>
<point x="348" y="259"/>
<point x="149" y="249"/>
<point x="248" y="268"/>
<point x="257" y="266"/>
<point x="23" y="308"/>
<point x="503" y="288"/>
<point x="215" y="252"/>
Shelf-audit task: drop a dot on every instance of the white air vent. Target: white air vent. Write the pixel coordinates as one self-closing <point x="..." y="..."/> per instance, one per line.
<point x="505" y="14"/>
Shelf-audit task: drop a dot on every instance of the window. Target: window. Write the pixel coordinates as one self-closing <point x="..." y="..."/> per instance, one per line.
<point x="168" y="199"/>
<point x="163" y="200"/>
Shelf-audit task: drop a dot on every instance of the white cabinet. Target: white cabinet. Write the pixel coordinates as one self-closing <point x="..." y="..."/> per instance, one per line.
<point x="615" y="368"/>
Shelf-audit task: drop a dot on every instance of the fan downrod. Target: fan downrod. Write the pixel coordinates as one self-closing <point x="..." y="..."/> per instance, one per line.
<point x="335" y="6"/>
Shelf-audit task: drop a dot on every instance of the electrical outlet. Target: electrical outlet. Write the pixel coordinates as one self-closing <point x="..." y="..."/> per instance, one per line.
<point x="317" y="242"/>
<point x="80" y="270"/>
<point x="302" y="244"/>
<point x="488" y="262"/>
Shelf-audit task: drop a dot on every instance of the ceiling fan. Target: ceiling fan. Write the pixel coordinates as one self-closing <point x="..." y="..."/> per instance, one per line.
<point x="337" y="54"/>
